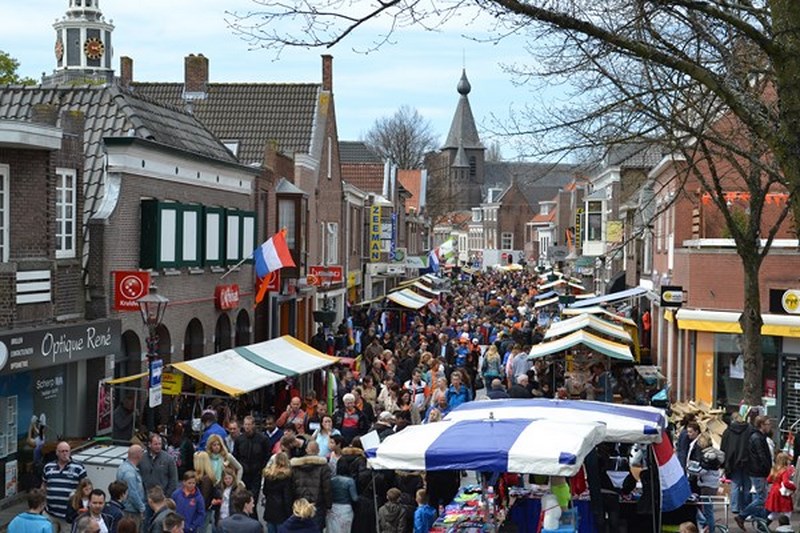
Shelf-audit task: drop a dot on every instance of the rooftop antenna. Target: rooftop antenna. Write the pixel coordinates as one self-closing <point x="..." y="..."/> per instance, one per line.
<point x="463" y="58"/>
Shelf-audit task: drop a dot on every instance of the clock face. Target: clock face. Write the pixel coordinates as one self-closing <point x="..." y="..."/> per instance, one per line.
<point x="59" y="49"/>
<point x="93" y="48"/>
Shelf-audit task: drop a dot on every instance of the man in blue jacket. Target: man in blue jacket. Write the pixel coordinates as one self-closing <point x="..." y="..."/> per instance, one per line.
<point x="128" y="471"/>
<point x="210" y="427"/>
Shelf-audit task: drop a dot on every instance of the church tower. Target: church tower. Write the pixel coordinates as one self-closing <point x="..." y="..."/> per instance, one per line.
<point x="83" y="46"/>
<point x="465" y="153"/>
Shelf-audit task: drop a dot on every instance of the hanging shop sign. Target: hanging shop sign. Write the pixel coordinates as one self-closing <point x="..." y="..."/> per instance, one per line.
<point x="226" y="297"/>
<point x="129" y="286"/>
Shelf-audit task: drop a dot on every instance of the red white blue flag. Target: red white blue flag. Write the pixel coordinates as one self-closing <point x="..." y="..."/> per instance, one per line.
<point x="674" y="485"/>
<point x="272" y="255"/>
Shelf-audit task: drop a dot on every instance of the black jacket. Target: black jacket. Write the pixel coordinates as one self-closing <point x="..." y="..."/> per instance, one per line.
<point x="277" y="499"/>
<point x="311" y="479"/>
<point x="498" y="394"/>
<point x="239" y="523"/>
<point x="759" y="461"/>
<point x="518" y="391"/>
<point x="735" y="444"/>
<point x="252" y="451"/>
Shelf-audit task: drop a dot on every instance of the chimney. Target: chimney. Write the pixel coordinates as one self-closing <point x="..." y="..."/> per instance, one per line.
<point x="195" y="74"/>
<point x="125" y="71"/>
<point x="44" y="114"/>
<point x="327" y="72"/>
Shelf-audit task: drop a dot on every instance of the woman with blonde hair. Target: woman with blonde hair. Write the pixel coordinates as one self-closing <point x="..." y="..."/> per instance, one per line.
<point x="221" y="458"/>
<point x="277" y="491"/>
<point x="302" y="519"/>
<point x="440" y="390"/>
<point x="206" y="483"/>
<point x="492" y="365"/>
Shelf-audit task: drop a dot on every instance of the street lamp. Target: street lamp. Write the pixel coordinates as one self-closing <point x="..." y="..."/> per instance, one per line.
<point x="152" y="308"/>
<point x="327" y="314"/>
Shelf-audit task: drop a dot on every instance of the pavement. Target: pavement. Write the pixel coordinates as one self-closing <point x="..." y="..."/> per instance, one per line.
<point x="10" y="509"/>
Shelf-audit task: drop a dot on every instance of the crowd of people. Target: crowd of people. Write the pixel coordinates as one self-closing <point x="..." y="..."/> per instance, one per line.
<point x="306" y="465"/>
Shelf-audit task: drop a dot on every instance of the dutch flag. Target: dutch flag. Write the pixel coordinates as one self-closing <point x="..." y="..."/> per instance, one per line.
<point x="674" y="485"/>
<point x="272" y="255"/>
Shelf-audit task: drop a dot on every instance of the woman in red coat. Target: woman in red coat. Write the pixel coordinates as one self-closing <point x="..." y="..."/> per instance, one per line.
<point x="779" y="500"/>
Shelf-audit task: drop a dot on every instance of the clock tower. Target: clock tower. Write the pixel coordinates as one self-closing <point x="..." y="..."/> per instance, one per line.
<point x="83" y="46"/>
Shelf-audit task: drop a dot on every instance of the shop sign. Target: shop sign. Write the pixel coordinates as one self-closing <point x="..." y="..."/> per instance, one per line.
<point x="671" y="296"/>
<point x="790" y="301"/>
<point x="129" y="286"/>
<point x="353" y="279"/>
<point x="332" y="274"/>
<point x="375" y="214"/>
<point x="171" y="383"/>
<point x="226" y="297"/>
<point x="43" y="347"/>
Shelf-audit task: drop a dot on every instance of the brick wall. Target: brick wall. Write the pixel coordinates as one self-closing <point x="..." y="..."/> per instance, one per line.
<point x="191" y="294"/>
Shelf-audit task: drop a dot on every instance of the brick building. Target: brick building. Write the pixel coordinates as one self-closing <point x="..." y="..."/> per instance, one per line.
<point x="289" y="131"/>
<point x="49" y="355"/>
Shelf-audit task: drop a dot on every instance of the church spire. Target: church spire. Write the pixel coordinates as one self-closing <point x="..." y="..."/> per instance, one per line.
<point x="462" y="129"/>
<point x="83" y="45"/>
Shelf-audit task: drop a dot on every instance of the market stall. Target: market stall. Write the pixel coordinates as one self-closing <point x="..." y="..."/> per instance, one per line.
<point x="498" y="446"/>
<point x="624" y="423"/>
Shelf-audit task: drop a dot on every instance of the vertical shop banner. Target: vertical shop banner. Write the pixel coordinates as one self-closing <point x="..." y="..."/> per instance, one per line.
<point x="105" y="408"/>
<point x="375" y="214"/>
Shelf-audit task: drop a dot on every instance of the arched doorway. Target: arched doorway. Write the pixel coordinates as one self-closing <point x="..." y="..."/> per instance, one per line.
<point x="164" y="344"/>
<point x="222" y="333"/>
<point x="242" y="328"/>
<point x="129" y="361"/>
<point x="193" y="342"/>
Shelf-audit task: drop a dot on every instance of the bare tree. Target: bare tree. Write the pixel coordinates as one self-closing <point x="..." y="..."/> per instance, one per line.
<point x="494" y="151"/>
<point x="404" y="138"/>
<point x="716" y="80"/>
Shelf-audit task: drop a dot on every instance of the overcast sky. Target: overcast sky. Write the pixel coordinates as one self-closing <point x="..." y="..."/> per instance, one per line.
<point x="420" y="70"/>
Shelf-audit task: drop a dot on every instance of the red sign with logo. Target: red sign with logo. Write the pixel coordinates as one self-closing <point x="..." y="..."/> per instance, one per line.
<point x="226" y="297"/>
<point x="129" y="287"/>
<point x="332" y="274"/>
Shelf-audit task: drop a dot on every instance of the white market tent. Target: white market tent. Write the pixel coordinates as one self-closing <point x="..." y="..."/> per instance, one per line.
<point x="247" y="368"/>
<point x="506" y="445"/>
<point x="597" y="310"/>
<point x="409" y="298"/>
<point x="587" y="321"/>
<point x="545" y="303"/>
<point x="624" y="423"/>
<point x="612" y="349"/>
<point x="613" y="297"/>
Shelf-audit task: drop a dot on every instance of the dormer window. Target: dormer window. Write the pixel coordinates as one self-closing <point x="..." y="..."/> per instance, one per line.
<point x="231" y="145"/>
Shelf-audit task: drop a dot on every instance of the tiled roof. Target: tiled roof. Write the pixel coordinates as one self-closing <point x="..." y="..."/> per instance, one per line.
<point x="254" y="114"/>
<point x="366" y="176"/>
<point x="540" y="218"/>
<point x="111" y="112"/>
<point x="357" y="152"/>
<point x="538" y="181"/>
<point x="411" y="180"/>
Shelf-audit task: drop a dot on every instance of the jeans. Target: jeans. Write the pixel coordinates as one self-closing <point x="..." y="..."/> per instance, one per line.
<point x="756" y="507"/>
<point x="272" y="528"/>
<point x="740" y="490"/>
<point x="707" y="509"/>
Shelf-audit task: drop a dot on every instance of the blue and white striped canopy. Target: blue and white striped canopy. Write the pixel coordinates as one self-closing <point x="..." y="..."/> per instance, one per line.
<point x="545" y="447"/>
<point x="624" y="423"/>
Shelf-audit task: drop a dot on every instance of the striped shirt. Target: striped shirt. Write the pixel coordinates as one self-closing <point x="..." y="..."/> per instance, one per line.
<point x="61" y="483"/>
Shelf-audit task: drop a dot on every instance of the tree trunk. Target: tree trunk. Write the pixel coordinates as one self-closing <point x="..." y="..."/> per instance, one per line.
<point x="751" y="322"/>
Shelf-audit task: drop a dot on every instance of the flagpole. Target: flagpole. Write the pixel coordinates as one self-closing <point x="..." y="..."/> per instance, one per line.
<point x="237" y="265"/>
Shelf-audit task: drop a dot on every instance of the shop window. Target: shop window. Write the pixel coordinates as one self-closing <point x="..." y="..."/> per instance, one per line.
<point x="729" y="362"/>
<point x="66" y="212"/>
